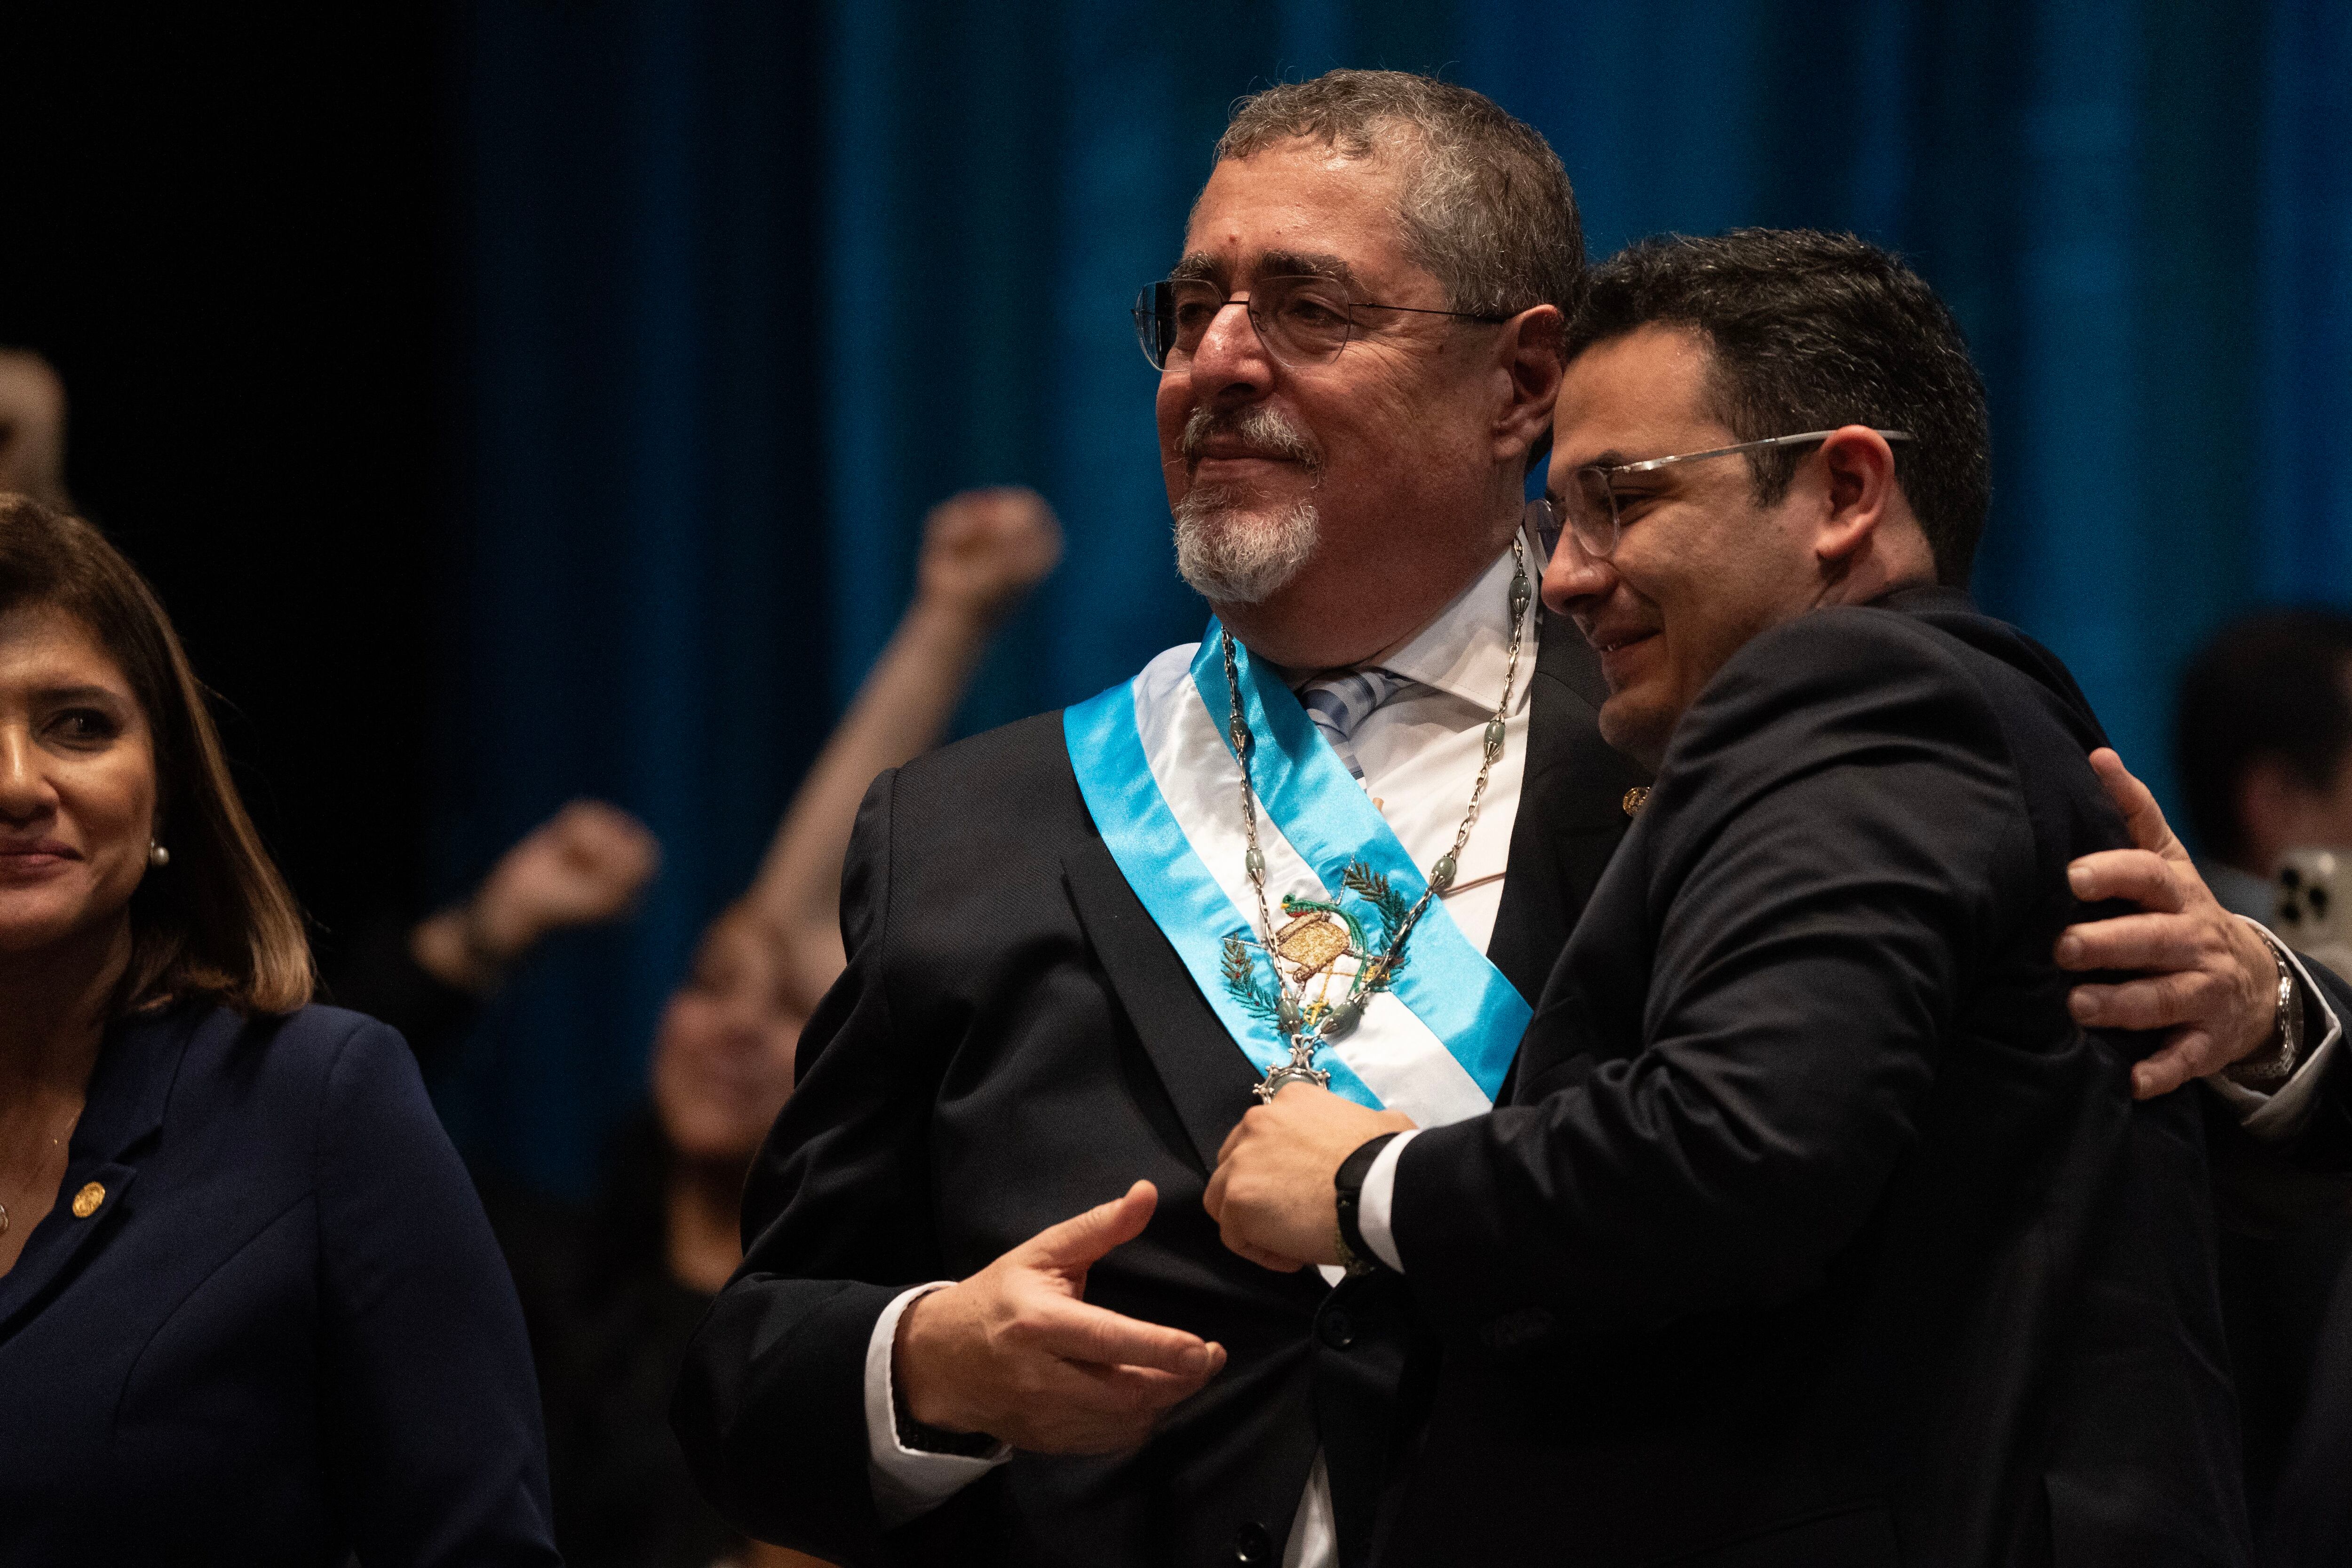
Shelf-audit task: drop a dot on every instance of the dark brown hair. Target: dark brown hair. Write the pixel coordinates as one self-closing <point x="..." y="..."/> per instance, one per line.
<point x="1811" y="331"/>
<point x="218" y="923"/>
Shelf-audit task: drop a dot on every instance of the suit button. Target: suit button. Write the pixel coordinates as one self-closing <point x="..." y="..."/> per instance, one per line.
<point x="1337" y="1330"/>
<point x="1253" y="1545"/>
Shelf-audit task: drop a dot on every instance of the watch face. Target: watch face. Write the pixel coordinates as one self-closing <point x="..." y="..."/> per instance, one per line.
<point x="2312" y="887"/>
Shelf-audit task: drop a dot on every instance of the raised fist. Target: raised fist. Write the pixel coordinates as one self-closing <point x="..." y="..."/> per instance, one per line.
<point x="984" y="549"/>
<point x="581" y="867"/>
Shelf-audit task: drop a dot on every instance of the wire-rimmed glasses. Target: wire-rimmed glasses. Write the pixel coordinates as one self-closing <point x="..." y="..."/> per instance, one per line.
<point x="1301" y="319"/>
<point x="1589" y="507"/>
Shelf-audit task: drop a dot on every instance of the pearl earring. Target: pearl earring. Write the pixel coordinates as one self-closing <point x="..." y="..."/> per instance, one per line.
<point x="157" y="855"/>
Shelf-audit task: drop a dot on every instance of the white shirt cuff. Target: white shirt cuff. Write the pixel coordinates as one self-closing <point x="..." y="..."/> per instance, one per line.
<point x="2278" y="1115"/>
<point x="1376" y="1202"/>
<point x="908" y="1482"/>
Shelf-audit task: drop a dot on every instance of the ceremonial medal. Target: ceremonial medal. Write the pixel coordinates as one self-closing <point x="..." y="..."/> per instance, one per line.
<point x="1323" y="946"/>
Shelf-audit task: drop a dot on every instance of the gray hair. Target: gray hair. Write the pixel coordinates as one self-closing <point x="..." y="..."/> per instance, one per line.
<point x="1486" y="208"/>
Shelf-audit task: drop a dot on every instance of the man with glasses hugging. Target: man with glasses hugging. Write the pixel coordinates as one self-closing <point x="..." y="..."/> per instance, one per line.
<point x="1812" y="1230"/>
<point x="1329" y="852"/>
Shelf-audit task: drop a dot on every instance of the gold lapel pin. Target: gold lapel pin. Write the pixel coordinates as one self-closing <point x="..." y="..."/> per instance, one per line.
<point x="1635" y="798"/>
<point x="86" y="1201"/>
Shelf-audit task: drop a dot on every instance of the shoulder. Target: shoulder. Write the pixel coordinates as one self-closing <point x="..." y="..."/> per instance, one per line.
<point x="1850" y="688"/>
<point x="1014" y="782"/>
<point x="1848" y="666"/>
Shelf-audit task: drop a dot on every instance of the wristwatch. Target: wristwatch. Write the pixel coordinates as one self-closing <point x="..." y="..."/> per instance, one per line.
<point x="1348" y="1188"/>
<point x="2273" y="1068"/>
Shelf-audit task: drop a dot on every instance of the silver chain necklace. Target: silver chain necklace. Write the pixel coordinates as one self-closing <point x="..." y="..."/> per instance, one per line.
<point x="1305" y="1027"/>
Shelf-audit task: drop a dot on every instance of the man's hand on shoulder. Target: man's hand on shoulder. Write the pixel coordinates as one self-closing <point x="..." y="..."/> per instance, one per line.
<point x="1272" y="1196"/>
<point x="1015" y="1352"/>
<point x="2208" y="979"/>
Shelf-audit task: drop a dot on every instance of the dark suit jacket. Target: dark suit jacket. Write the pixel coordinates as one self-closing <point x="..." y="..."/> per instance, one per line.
<point x="1015" y="1041"/>
<point x="283" y="1335"/>
<point x="1814" y="1231"/>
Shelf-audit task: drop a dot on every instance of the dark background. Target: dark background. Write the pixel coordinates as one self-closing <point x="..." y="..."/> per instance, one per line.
<point x="230" y="230"/>
<point x="517" y="399"/>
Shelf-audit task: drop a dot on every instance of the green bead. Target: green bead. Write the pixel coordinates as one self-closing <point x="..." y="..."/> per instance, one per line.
<point x="1286" y="1015"/>
<point x="1254" y="864"/>
<point x="1342" y="1018"/>
<point x="1441" y="876"/>
<point x="1494" y="737"/>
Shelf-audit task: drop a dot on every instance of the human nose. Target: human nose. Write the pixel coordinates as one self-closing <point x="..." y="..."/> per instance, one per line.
<point x="23" y="793"/>
<point x="1231" y="354"/>
<point x="1575" y="575"/>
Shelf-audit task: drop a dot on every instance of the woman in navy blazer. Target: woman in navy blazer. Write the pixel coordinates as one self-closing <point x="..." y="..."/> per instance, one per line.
<point x="250" y="1311"/>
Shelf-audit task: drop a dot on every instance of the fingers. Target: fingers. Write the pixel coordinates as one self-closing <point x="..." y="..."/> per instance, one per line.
<point x="2141" y="814"/>
<point x="2155" y="1002"/>
<point x="1075" y="1330"/>
<point x="2140" y="876"/>
<point x="1213" y="1197"/>
<point x="1082" y="1238"/>
<point x="1075" y="1408"/>
<point x="2136" y="941"/>
<point x="2193" y="1055"/>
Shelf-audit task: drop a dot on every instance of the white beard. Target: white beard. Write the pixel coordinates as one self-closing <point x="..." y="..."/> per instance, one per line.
<point x="1235" y="556"/>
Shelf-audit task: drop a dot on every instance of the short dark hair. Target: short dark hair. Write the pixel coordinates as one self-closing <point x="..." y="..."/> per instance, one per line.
<point x="1810" y="332"/>
<point x="2267" y="685"/>
<point x="218" y="922"/>
<point x="1487" y="208"/>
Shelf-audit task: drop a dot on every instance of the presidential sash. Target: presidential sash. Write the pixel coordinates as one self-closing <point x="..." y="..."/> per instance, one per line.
<point x="1157" y="769"/>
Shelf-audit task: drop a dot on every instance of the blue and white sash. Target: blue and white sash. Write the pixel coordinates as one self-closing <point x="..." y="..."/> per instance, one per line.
<point x="1160" y="777"/>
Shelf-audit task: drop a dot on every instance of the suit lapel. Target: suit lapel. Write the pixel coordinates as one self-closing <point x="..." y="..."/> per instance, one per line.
<point x="121" y="1113"/>
<point x="1205" y="1074"/>
<point x="1571" y="811"/>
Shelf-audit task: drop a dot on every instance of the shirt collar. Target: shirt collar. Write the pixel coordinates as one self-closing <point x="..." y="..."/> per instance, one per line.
<point x="1466" y="650"/>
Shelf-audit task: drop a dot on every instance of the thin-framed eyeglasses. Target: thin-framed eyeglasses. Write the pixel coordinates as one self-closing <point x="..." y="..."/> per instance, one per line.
<point x="1301" y="320"/>
<point x="1590" y="507"/>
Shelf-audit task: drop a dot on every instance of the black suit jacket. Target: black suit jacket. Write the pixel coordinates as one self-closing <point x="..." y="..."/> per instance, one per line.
<point x="283" y="1334"/>
<point x="1015" y="1041"/>
<point x="1814" y="1232"/>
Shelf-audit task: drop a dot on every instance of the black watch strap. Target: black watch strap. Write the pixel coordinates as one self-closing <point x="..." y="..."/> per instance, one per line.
<point x="1348" y="1187"/>
<point x="913" y="1433"/>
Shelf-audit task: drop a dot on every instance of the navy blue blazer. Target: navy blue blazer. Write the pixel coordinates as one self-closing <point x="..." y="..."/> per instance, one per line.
<point x="281" y="1332"/>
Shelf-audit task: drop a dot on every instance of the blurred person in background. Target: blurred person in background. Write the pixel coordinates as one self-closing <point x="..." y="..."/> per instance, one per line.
<point x="2263" y="744"/>
<point x="250" y="1309"/>
<point x="2262" y="737"/>
<point x="612" y="1293"/>
<point x="32" y="428"/>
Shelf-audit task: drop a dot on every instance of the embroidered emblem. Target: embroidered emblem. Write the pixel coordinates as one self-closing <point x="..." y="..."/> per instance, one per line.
<point x="1321" y="941"/>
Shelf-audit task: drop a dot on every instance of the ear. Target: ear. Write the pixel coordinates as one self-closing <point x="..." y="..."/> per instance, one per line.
<point x="1528" y="356"/>
<point x="1858" y="469"/>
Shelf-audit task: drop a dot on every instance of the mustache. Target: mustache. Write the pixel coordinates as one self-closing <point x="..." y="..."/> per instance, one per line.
<point x="1266" y="431"/>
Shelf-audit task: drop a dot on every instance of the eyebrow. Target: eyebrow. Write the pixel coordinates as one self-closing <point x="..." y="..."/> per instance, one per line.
<point x="53" y="695"/>
<point x="1202" y="268"/>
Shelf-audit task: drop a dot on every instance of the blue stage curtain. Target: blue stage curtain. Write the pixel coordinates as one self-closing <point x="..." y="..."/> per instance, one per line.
<point x="750" y="288"/>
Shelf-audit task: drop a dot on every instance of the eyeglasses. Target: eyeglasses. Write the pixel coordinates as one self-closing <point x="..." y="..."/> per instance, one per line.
<point x="1590" y="507"/>
<point x="1301" y="320"/>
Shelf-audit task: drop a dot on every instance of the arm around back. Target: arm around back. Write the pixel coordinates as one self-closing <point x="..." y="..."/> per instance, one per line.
<point x="431" y="1410"/>
<point x="1730" y="1057"/>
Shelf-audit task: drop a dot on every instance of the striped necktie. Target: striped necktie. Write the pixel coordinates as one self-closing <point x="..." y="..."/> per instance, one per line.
<point x="1337" y="703"/>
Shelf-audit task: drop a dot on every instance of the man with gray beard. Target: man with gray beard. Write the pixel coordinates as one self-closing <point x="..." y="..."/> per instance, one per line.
<point x="1341" y="839"/>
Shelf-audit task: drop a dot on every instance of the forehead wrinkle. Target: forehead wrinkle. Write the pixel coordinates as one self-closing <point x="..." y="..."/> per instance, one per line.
<point x="1205" y="267"/>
